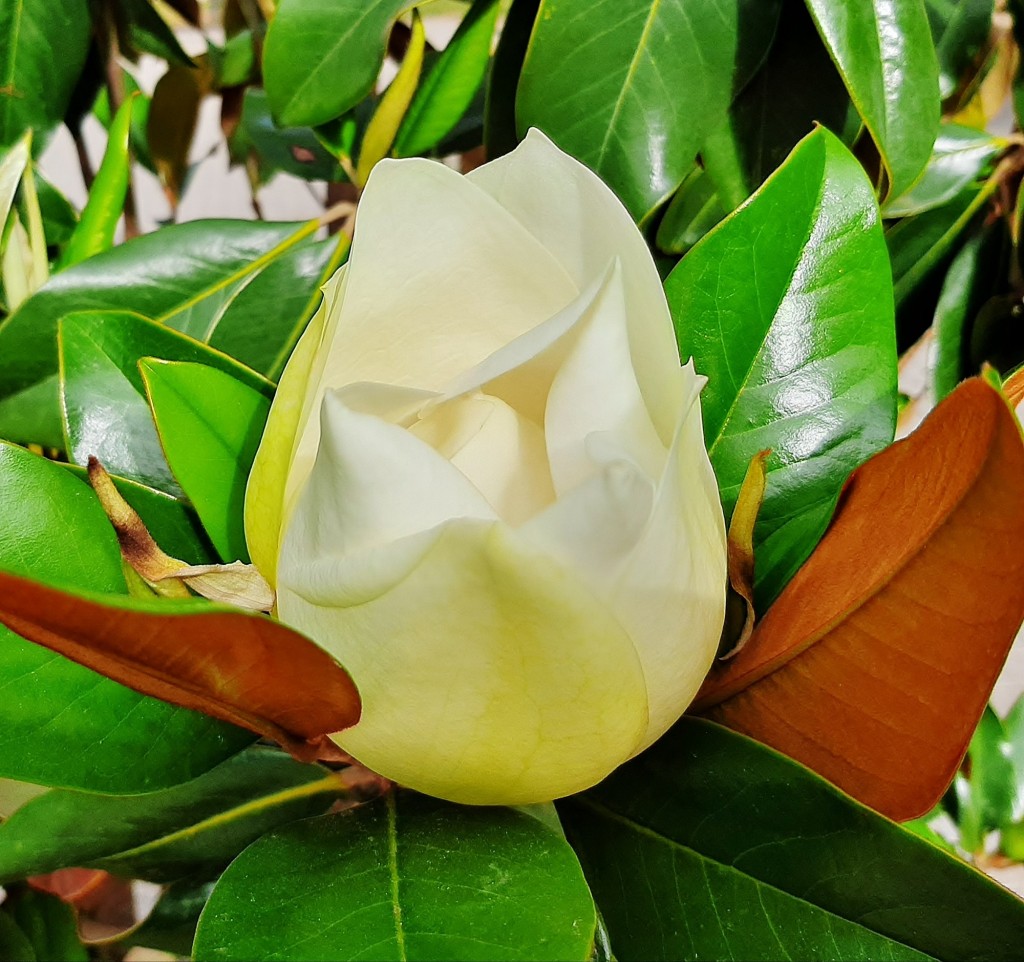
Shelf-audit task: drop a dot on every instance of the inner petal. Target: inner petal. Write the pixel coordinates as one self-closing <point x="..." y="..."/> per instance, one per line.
<point x="501" y="452"/>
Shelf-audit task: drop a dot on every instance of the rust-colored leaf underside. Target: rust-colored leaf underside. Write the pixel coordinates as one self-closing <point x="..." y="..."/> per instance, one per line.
<point x="242" y="668"/>
<point x="874" y="665"/>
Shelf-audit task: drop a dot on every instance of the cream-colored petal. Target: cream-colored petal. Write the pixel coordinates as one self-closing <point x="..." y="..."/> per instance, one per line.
<point x="582" y="223"/>
<point x="373" y="485"/>
<point x="595" y="392"/>
<point x="440" y="276"/>
<point x="499" y="451"/>
<point x="670" y="595"/>
<point x="265" y="493"/>
<point x="488" y="675"/>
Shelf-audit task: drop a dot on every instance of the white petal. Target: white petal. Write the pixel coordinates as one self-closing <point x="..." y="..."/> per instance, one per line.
<point x="488" y="674"/>
<point x="582" y="223"/>
<point x="373" y="484"/>
<point x="499" y="451"/>
<point x="595" y="392"/>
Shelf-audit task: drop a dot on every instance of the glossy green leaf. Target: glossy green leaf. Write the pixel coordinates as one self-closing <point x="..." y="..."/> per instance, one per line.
<point x="60" y="535"/>
<point x="960" y="157"/>
<point x="796" y="88"/>
<point x="451" y="84"/>
<point x="919" y="244"/>
<point x="175" y="275"/>
<point x="48" y="925"/>
<point x="694" y="210"/>
<point x="973" y="276"/>
<point x="884" y="50"/>
<point x="634" y="102"/>
<point x="193" y="829"/>
<point x="960" y="29"/>
<point x="322" y="56"/>
<point x="510" y="888"/>
<point x="786" y="308"/>
<point x="36" y="84"/>
<point x="94" y="232"/>
<point x="210" y="425"/>
<point x="103" y="398"/>
<point x="500" y="132"/>
<point x="711" y="846"/>
<point x="262" y="321"/>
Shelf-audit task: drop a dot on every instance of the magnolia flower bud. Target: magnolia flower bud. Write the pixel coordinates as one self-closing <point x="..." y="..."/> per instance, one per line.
<point x="483" y="486"/>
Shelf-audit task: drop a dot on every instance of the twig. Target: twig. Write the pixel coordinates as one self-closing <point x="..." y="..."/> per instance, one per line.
<point x="116" y="94"/>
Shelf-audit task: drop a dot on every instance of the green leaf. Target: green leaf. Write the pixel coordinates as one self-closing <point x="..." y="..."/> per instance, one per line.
<point x="694" y="210"/>
<point x="510" y="888"/>
<point x="175" y="275"/>
<point x="95" y="230"/>
<point x="636" y="100"/>
<point x="449" y="88"/>
<point x="106" y="414"/>
<point x="149" y="33"/>
<point x="992" y="791"/>
<point x="796" y="88"/>
<point x="190" y="830"/>
<point x="265" y="316"/>
<point x="48" y="924"/>
<point x="884" y="50"/>
<point x="171" y="926"/>
<point x="711" y="846"/>
<point x="14" y="944"/>
<point x="11" y="168"/>
<point x="234" y="64"/>
<point x="961" y="30"/>
<point x="61" y="724"/>
<point x="973" y="276"/>
<point x="293" y="150"/>
<point x="960" y="157"/>
<point x="918" y="244"/>
<point x="500" y="133"/>
<point x="786" y="308"/>
<point x="210" y="425"/>
<point x="392" y="106"/>
<point x="43" y="44"/>
<point x="59" y="217"/>
<point x="322" y="57"/>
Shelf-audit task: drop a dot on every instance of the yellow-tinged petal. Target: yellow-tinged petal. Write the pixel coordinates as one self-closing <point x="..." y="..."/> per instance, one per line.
<point x="570" y="210"/>
<point x="488" y="674"/>
<point x="268" y="479"/>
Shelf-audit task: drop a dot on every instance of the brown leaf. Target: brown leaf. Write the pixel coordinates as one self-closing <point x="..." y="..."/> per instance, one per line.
<point x="874" y="665"/>
<point x="245" y="669"/>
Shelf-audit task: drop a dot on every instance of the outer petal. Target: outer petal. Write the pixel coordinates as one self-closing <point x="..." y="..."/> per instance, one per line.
<point x="488" y="675"/>
<point x="582" y="223"/>
<point x="265" y="496"/>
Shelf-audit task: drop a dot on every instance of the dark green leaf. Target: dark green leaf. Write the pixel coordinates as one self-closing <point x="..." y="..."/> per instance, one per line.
<point x="193" y="829"/>
<point x="177" y="274"/>
<point x="694" y="210"/>
<point x="36" y="84"/>
<point x="210" y="426"/>
<point x="710" y="846"/>
<point x="448" y="89"/>
<point x="171" y="926"/>
<point x="884" y="50"/>
<point x="959" y="159"/>
<point x="989" y="801"/>
<point x="637" y="99"/>
<point x="786" y="307"/>
<point x="59" y="217"/>
<point x="961" y="30"/>
<point x="265" y="317"/>
<point x="974" y="275"/>
<point x="149" y="33"/>
<point x="322" y="56"/>
<point x="500" y="133"/>
<point x="48" y="924"/>
<point x="61" y="724"/>
<point x="509" y="888"/>
<point x="293" y="150"/>
<point x="797" y="87"/>
<point x="171" y="126"/>
<point x="14" y="944"/>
